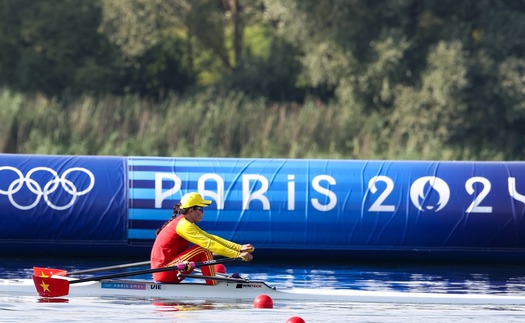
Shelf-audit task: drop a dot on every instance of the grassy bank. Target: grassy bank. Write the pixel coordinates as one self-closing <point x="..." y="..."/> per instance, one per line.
<point x="205" y="125"/>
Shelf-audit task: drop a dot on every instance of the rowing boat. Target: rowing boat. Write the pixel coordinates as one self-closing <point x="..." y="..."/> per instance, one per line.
<point x="55" y="283"/>
<point x="244" y="290"/>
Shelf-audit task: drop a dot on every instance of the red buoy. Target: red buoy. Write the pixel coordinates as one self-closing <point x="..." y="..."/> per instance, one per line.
<point x="263" y="301"/>
<point x="295" y="319"/>
<point x="220" y="268"/>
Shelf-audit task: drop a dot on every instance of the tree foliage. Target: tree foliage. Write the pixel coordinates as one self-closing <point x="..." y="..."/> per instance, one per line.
<point x="418" y="78"/>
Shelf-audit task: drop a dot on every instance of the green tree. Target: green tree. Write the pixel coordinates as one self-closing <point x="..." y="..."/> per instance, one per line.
<point x="49" y="46"/>
<point x="395" y="60"/>
<point x="139" y="25"/>
<point x="56" y="47"/>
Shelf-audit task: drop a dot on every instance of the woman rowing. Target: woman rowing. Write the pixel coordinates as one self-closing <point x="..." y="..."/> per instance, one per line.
<point x="180" y="240"/>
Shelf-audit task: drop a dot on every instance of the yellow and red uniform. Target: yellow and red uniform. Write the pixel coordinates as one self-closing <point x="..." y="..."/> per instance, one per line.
<point x="172" y="246"/>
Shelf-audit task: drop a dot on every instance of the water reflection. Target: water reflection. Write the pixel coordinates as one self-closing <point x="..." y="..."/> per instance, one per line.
<point x="171" y="305"/>
<point x="438" y="279"/>
<point x="52" y="300"/>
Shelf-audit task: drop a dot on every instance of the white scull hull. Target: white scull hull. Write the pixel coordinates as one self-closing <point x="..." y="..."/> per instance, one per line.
<point x="248" y="291"/>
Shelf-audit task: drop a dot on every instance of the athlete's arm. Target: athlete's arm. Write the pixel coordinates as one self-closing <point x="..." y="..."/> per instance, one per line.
<point x="218" y="245"/>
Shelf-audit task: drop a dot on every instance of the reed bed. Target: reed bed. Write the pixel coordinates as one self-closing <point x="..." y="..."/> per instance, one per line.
<point x="204" y="125"/>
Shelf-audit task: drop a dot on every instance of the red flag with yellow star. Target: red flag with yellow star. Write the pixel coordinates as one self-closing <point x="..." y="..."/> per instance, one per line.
<point x="51" y="287"/>
<point x="48" y="272"/>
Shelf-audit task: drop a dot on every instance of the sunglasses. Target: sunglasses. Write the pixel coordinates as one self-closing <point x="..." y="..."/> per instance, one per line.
<point x="198" y="208"/>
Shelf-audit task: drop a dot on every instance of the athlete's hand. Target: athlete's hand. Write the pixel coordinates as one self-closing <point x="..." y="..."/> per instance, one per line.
<point x="246" y="256"/>
<point x="247" y="248"/>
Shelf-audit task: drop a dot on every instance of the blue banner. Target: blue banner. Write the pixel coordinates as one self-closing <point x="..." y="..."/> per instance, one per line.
<point x="62" y="199"/>
<point x="337" y="204"/>
<point x="348" y="206"/>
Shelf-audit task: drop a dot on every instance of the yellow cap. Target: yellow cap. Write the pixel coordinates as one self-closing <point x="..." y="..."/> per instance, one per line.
<point x="193" y="199"/>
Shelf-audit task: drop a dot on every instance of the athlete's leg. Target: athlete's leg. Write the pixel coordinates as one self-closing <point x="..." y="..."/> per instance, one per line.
<point x="193" y="254"/>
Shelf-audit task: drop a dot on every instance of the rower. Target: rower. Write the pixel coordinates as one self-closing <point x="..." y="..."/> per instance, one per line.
<point x="181" y="240"/>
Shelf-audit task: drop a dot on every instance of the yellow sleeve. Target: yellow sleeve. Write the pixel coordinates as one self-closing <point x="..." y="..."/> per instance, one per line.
<point x="196" y="235"/>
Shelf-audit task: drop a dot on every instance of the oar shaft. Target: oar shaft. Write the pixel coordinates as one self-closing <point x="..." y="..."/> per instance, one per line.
<point x="181" y="267"/>
<point x="218" y="278"/>
<point x="130" y="265"/>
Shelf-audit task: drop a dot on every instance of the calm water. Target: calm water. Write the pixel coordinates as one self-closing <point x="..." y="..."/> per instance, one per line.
<point x="430" y="278"/>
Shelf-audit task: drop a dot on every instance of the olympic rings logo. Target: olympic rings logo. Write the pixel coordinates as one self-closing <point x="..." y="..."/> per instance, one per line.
<point x="50" y="187"/>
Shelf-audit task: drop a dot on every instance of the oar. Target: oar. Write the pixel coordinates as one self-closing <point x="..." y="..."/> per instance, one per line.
<point x="218" y="278"/>
<point x="48" y="272"/>
<point x="56" y="287"/>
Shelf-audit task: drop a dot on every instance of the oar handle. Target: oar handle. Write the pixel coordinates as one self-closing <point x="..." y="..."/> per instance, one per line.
<point x="185" y="266"/>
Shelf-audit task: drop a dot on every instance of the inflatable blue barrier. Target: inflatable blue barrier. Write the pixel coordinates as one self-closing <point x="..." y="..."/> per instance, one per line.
<point x="349" y="209"/>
